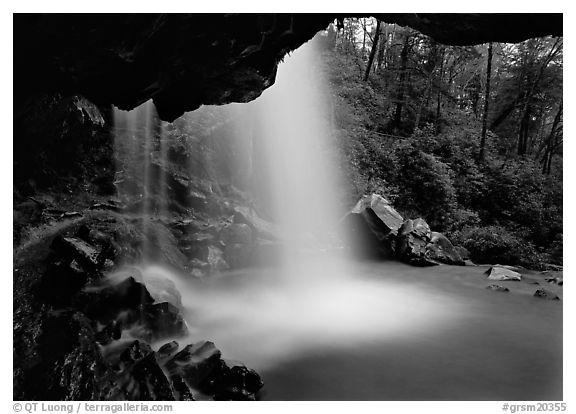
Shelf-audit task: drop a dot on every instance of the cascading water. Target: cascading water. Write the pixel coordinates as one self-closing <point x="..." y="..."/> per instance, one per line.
<point x="141" y="152"/>
<point x="317" y="326"/>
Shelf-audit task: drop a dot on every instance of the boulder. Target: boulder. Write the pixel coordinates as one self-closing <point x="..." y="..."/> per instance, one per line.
<point x="152" y="384"/>
<point x="372" y="225"/>
<point x="199" y="369"/>
<point x="135" y="351"/>
<point x="382" y="209"/>
<point x="74" y="248"/>
<point x="411" y="242"/>
<point x="181" y="390"/>
<point x="555" y="280"/>
<point x="441" y="249"/>
<point x="502" y="274"/>
<point x="67" y="363"/>
<point x="60" y="282"/>
<point x="233" y="381"/>
<point x="497" y="288"/>
<point x="195" y="362"/>
<point x="168" y="349"/>
<point x="157" y="321"/>
<point x="106" y="303"/>
<point x="110" y="332"/>
<point x="546" y="294"/>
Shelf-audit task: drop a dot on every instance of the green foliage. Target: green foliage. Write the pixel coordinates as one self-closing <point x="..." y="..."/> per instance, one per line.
<point x="495" y="244"/>
<point x="502" y="209"/>
<point x="427" y="187"/>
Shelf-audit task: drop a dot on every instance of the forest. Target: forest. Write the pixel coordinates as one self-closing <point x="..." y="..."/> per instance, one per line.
<point x="470" y="138"/>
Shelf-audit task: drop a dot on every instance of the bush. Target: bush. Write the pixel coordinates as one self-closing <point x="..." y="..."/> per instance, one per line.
<point x="495" y="244"/>
<point x="427" y="188"/>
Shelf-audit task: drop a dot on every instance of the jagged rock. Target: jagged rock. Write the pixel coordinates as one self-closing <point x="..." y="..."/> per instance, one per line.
<point x="73" y="248"/>
<point x="372" y="225"/>
<point x="60" y="282"/>
<point x="502" y="274"/>
<point x="106" y="206"/>
<point x="157" y="321"/>
<point x="497" y="288"/>
<point x="106" y="303"/>
<point x="198" y="368"/>
<point x="441" y="249"/>
<point x="546" y="294"/>
<point x="164" y="290"/>
<point x="152" y="383"/>
<point x="134" y="59"/>
<point x="382" y="208"/>
<point x="417" y="227"/>
<point x="233" y="381"/>
<point x="168" y="349"/>
<point x="413" y="237"/>
<point x="135" y="351"/>
<point x="181" y="390"/>
<point x="195" y="362"/>
<point x="236" y="233"/>
<point x="67" y="363"/>
<point x="110" y="332"/>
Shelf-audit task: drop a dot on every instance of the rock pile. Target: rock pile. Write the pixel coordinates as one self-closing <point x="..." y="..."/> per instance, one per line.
<point x="378" y="230"/>
<point x="94" y="335"/>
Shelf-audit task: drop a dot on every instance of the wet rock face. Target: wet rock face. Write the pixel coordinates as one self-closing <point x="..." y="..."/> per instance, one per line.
<point x="185" y="60"/>
<point x="200" y="369"/>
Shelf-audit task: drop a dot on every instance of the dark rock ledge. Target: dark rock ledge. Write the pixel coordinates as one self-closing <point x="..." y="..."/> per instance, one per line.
<point x="81" y="336"/>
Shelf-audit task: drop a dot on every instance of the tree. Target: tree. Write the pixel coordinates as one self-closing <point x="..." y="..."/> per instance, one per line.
<point x="372" y="51"/>
<point x="486" y="103"/>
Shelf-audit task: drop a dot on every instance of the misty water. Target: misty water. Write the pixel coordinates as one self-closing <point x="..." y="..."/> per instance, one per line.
<point x="335" y="330"/>
<point x="322" y="327"/>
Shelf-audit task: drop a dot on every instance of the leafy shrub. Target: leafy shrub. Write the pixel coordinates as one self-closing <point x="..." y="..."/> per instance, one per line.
<point x="427" y="188"/>
<point x="495" y="244"/>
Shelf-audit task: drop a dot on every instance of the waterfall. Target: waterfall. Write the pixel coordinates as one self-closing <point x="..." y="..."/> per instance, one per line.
<point x="141" y="152"/>
<point x="295" y="135"/>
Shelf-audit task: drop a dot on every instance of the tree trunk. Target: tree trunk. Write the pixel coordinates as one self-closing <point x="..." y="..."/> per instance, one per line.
<point x="439" y="94"/>
<point x="486" y="103"/>
<point x="363" y="37"/>
<point x="550" y="147"/>
<point x="400" y="94"/>
<point x="372" y="51"/>
<point x="382" y="50"/>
